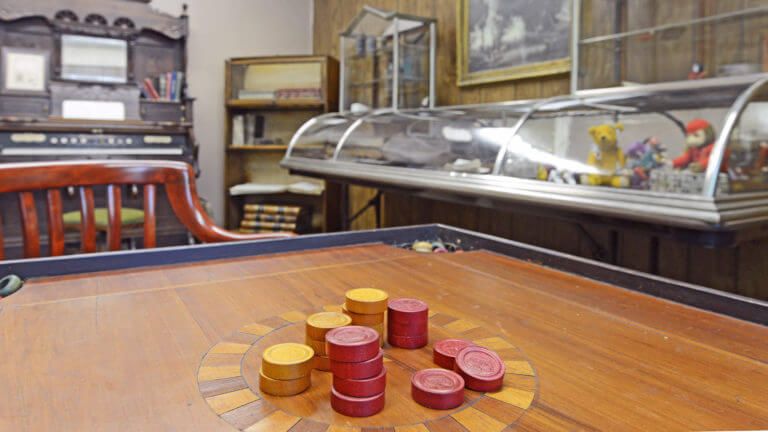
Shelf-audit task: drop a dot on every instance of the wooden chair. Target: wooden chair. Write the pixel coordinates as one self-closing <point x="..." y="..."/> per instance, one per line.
<point x="177" y="177"/>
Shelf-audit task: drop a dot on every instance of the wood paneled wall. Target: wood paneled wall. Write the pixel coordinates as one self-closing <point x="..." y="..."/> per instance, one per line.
<point x="332" y="16"/>
<point x="741" y="270"/>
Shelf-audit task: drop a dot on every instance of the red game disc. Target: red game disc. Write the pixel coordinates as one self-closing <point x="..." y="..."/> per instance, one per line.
<point x="356" y="407"/>
<point x="361" y="388"/>
<point x="408" y="342"/>
<point x="406" y="310"/>
<point x="437" y="388"/>
<point x="360" y="370"/>
<point x="410" y="330"/>
<point x="352" y="344"/>
<point x="444" y="351"/>
<point x="481" y="368"/>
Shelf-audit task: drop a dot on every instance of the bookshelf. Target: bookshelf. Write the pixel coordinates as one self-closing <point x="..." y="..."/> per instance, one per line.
<point x="266" y="100"/>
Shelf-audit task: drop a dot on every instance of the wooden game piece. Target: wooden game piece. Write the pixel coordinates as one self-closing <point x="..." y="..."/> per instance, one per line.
<point x="277" y="387"/>
<point x="359" y="370"/>
<point x="317" y="345"/>
<point x="409" y="329"/>
<point x="366" y="301"/>
<point x="481" y="368"/>
<point x="322" y="363"/>
<point x="437" y="388"/>
<point x="444" y="351"/>
<point x="361" y="388"/>
<point x="363" y="319"/>
<point x="356" y="407"/>
<point x="352" y="344"/>
<point x="407" y="311"/>
<point x="287" y="361"/>
<point x="320" y="323"/>
<point x="408" y="342"/>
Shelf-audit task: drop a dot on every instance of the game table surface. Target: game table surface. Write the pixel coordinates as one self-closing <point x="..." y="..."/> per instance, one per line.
<point x="155" y="342"/>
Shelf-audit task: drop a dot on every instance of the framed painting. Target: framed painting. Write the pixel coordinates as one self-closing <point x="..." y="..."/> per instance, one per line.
<point x="500" y="40"/>
<point x="24" y="70"/>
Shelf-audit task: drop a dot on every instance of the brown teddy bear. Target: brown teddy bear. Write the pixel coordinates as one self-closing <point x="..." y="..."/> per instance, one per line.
<point x="607" y="157"/>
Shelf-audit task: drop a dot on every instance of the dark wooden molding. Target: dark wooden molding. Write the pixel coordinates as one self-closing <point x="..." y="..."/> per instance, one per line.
<point x="98" y="17"/>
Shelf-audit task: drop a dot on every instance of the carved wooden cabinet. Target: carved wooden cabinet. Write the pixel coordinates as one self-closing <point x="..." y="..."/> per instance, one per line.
<point x="87" y="109"/>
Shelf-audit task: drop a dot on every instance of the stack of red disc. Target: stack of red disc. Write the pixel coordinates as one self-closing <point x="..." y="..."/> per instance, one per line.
<point x="437" y="388"/>
<point x="359" y="376"/>
<point x="408" y="323"/>
<point x="481" y="368"/>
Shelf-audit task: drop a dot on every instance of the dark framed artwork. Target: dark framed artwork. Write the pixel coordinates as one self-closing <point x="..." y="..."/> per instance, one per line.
<point x="24" y="70"/>
<point x="501" y="40"/>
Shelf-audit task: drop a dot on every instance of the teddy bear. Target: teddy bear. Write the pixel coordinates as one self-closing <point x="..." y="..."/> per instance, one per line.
<point x="699" y="142"/>
<point x="607" y="157"/>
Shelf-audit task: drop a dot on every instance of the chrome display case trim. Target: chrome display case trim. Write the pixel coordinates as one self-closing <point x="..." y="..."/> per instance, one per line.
<point x="731" y="119"/>
<point x="690" y="211"/>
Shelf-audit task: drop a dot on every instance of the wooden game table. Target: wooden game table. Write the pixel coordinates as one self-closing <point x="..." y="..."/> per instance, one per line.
<point x="170" y="339"/>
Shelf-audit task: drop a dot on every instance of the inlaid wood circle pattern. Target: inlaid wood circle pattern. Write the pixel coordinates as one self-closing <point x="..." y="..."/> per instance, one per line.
<point x="228" y="379"/>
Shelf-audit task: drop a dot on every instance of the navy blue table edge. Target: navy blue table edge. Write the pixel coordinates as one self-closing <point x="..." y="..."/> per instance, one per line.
<point x="693" y="295"/>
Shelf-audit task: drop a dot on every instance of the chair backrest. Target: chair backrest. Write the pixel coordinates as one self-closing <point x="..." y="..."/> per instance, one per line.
<point x="177" y="177"/>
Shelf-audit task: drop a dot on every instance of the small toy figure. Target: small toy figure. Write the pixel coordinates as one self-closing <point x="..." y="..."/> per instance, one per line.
<point x="699" y="141"/>
<point x="607" y="156"/>
<point x="697" y="71"/>
<point x="652" y="158"/>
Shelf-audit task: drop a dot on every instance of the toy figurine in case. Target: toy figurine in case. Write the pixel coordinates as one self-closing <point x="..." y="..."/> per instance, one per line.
<point x="699" y="142"/>
<point x="607" y="157"/>
<point x="646" y="156"/>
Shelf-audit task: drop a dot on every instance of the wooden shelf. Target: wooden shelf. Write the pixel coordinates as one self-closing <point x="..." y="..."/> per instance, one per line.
<point x="278" y="104"/>
<point x="270" y="147"/>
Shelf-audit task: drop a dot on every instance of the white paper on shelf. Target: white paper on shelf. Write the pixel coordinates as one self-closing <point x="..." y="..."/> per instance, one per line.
<point x="92" y="110"/>
<point x="307" y="188"/>
<point x="257" y="188"/>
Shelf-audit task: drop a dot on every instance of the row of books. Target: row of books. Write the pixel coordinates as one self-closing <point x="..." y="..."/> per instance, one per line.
<point x="167" y="86"/>
<point x="259" y="218"/>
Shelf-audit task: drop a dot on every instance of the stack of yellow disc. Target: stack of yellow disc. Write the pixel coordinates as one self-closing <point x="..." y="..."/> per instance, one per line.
<point x="317" y="326"/>
<point x="286" y="369"/>
<point x="366" y="307"/>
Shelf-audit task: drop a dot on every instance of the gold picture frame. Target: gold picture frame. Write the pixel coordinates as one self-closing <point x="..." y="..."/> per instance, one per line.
<point x="465" y="77"/>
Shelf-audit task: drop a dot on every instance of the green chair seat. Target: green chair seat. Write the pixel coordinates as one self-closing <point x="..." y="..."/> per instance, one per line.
<point x="128" y="216"/>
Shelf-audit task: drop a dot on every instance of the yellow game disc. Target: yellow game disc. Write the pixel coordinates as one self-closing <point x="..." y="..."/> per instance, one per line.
<point x="284" y="387"/>
<point x="317" y="345"/>
<point x="366" y="301"/>
<point x="363" y="319"/>
<point x="287" y="361"/>
<point x="322" y="363"/>
<point x="320" y="323"/>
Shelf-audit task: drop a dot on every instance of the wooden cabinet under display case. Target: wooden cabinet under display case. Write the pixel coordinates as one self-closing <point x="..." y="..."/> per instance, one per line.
<point x="267" y="101"/>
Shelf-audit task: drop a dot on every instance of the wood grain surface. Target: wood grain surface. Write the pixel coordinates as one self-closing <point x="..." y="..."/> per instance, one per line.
<point x="121" y="350"/>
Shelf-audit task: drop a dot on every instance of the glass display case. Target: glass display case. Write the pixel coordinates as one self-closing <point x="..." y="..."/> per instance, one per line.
<point x="623" y="42"/>
<point x="686" y="154"/>
<point x="375" y="41"/>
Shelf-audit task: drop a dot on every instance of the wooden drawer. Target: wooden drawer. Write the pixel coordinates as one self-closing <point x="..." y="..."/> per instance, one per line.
<point x="24" y="106"/>
<point x="163" y="111"/>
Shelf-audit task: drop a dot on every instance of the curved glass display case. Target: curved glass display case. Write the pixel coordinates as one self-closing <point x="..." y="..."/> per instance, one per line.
<point x="688" y="154"/>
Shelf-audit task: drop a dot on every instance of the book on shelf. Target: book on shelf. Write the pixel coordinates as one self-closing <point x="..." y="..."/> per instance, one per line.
<point x="272" y="209"/>
<point x="150" y="88"/>
<point x="238" y="130"/>
<point x="247" y="224"/>
<point x="267" y="217"/>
